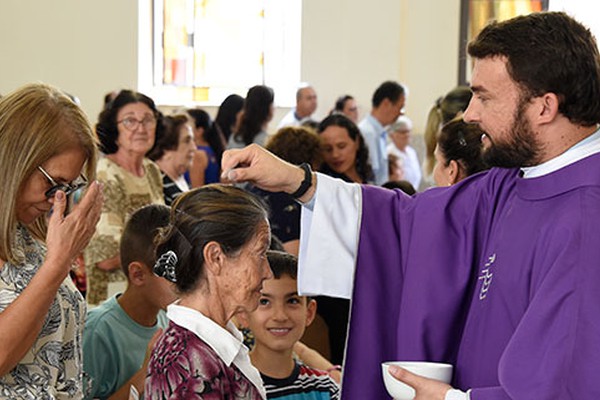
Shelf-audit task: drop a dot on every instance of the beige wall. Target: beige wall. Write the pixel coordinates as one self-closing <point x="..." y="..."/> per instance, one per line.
<point x="85" y="47"/>
<point x="348" y="46"/>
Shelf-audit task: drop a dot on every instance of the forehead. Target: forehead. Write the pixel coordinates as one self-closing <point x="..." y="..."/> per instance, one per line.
<point x="307" y="92"/>
<point x="135" y="108"/>
<point x="490" y="75"/>
<point x="263" y="234"/>
<point x="283" y="285"/>
<point x="335" y="133"/>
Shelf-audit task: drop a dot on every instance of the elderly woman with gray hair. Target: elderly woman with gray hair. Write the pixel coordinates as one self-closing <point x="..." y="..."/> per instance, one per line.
<point x="214" y="250"/>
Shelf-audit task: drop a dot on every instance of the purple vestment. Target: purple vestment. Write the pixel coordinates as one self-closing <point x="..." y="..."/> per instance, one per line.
<point x="497" y="275"/>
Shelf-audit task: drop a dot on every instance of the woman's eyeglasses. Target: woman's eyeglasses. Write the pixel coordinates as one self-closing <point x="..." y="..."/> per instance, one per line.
<point x="132" y="124"/>
<point x="68" y="188"/>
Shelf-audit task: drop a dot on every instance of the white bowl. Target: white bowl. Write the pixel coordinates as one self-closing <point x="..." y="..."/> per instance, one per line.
<point x="400" y="391"/>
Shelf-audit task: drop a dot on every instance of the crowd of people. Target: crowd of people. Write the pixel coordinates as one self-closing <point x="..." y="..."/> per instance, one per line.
<point x="209" y="249"/>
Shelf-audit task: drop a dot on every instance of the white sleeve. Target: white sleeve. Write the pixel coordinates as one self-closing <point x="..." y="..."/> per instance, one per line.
<point x="455" y="394"/>
<point x="329" y="233"/>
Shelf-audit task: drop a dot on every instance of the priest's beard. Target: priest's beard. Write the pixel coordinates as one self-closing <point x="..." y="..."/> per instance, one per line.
<point x="520" y="149"/>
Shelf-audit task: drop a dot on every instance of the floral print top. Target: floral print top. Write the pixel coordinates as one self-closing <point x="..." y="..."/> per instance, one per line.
<point x="52" y="368"/>
<point x="200" y="360"/>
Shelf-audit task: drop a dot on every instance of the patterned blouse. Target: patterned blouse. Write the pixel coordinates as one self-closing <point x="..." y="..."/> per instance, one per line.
<point x="185" y="366"/>
<point x="124" y="193"/>
<point x="52" y="368"/>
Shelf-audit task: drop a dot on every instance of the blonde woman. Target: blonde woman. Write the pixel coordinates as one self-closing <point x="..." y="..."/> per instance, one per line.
<point x="47" y="151"/>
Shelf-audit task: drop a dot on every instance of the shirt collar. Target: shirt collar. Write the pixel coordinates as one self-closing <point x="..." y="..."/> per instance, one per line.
<point x="588" y="146"/>
<point x="375" y="123"/>
<point x="227" y="343"/>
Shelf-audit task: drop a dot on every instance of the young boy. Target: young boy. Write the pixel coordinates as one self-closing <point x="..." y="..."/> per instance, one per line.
<point x="278" y="323"/>
<point x="119" y="333"/>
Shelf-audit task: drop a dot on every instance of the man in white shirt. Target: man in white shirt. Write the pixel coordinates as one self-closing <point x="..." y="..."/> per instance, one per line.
<point x="387" y="105"/>
<point x="306" y="104"/>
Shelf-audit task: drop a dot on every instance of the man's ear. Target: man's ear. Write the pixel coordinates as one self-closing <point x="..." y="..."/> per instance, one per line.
<point x="213" y="257"/>
<point x="311" y="311"/>
<point x="137" y="272"/>
<point x="548" y="108"/>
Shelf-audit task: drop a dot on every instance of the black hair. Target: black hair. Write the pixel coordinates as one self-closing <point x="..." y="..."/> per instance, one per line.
<point x="283" y="264"/>
<point x="387" y="90"/>
<point x="225" y="214"/>
<point x="137" y="240"/>
<point x="363" y="166"/>
<point x="107" y="129"/>
<point x="257" y="110"/>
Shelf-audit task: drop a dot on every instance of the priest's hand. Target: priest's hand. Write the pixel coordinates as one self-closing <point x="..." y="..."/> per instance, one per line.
<point x="258" y="166"/>
<point x="425" y="388"/>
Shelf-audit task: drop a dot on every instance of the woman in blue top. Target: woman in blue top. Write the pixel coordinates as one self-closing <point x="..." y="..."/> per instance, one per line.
<point x="205" y="167"/>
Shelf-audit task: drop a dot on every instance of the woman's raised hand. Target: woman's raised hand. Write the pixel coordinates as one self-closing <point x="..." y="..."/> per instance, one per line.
<point x="68" y="235"/>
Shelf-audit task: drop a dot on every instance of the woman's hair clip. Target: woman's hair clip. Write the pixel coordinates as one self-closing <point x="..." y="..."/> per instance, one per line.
<point x="165" y="266"/>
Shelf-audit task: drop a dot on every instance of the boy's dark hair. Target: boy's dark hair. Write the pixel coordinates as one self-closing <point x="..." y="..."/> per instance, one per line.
<point x="137" y="241"/>
<point x="283" y="263"/>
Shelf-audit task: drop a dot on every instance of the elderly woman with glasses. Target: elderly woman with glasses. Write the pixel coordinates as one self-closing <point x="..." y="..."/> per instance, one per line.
<point x="127" y="129"/>
<point x="45" y="144"/>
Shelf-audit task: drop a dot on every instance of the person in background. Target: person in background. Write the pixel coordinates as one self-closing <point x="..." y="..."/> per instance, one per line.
<point x="228" y="119"/>
<point x="405" y="186"/>
<point x="296" y="145"/>
<point x="206" y="167"/>
<point x="306" y="105"/>
<point x="387" y="105"/>
<point x="120" y="333"/>
<point x="396" y="168"/>
<point x="47" y="152"/>
<point x="345" y="154"/>
<point x="256" y="115"/>
<point x="400" y="133"/>
<point x="346" y="105"/>
<point x="458" y="153"/>
<point x="445" y="109"/>
<point x="214" y="250"/>
<point x="278" y="324"/>
<point x="126" y="130"/>
<point x="173" y="152"/>
<point x="510" y="294"/>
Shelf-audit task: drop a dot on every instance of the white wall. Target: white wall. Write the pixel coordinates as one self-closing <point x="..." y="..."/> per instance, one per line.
<point x="348" y="46"/>
<point x="85" y="47"/>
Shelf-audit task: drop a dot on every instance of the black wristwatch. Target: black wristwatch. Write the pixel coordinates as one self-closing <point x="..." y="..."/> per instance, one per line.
<point x="306" y="183"/>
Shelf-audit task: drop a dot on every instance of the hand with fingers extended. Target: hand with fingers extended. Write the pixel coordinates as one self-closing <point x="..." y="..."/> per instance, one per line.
<point x="256" y="165"/>
<point x="425" y="388"/>
<point x="68" y="235"/>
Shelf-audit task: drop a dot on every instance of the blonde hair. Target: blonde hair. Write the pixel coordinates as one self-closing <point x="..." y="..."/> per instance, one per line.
<point x="443" y="111"/>
<point x="37" y="122"/>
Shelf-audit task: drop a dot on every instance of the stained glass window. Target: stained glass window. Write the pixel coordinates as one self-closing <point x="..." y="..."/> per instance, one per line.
<point x="205" y="50"/>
